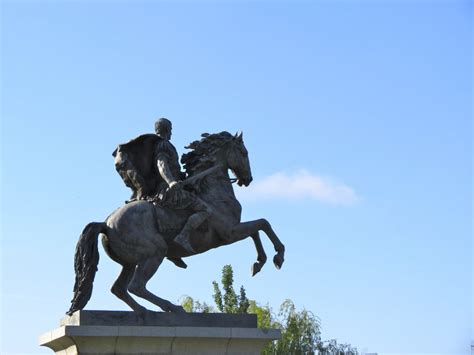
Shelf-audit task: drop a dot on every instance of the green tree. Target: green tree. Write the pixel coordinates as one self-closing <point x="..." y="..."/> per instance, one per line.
<point x="332" y="347"/>
<point x="264" y="315"/>
<point x="300" y="330"/>
<point x="229" y="302"/>
<point x="190" y="305"/>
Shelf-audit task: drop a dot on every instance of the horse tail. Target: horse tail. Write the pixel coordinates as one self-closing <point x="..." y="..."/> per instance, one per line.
<point x="86" y="260"/>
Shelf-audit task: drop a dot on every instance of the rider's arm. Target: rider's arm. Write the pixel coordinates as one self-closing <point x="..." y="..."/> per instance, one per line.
<point x="163" y="168"/>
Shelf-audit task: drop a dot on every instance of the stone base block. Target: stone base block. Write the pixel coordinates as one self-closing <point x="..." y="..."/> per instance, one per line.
<point x="73" y="338"/>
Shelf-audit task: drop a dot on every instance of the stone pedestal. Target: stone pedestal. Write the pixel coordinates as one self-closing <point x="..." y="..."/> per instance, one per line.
<point x="120" y="333"/>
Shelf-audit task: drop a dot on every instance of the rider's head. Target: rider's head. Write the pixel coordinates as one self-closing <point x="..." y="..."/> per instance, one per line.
<point x="163" y="128"/>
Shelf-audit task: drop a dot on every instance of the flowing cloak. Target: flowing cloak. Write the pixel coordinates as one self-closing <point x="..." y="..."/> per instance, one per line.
<point x="135" y="163"/>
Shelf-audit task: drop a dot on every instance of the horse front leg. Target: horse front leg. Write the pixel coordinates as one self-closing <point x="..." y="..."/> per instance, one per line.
<point x="244" y="229"/>
<point x="261" y="255"/>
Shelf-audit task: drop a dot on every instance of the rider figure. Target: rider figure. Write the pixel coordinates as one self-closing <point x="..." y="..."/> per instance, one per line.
<point x="170" y="191"/>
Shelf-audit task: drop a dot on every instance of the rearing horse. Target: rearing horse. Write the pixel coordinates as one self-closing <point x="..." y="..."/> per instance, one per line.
<point x="139" y="235"/>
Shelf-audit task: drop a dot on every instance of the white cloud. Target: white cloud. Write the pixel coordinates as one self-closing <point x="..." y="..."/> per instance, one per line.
<point x="299" y="185"/>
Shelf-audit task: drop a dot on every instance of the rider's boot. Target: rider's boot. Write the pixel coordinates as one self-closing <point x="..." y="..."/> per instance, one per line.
<point x="178" y="262"/>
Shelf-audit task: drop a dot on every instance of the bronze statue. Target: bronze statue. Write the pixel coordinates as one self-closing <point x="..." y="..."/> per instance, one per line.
<point x="166" y="188"/>
<point x="170" y="214"/>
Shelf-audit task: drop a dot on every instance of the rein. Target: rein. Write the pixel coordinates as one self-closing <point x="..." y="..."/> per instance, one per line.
<point x="202" y="174"/>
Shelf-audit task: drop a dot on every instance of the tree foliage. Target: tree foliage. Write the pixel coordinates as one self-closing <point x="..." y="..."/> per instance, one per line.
<point x="300" y="329"/>
<point x="229" y="302"/>
<point x="190" y="305"/>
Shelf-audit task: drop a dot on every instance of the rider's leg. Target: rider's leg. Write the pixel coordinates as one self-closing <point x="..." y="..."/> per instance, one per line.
<point x="201" y="213"/>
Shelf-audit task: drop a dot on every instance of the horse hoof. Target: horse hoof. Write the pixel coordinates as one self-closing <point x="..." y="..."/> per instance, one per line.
<point x="256" y="267"/>
<point x="278" y="261"/>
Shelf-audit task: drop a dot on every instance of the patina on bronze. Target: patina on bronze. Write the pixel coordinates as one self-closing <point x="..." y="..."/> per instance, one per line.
<point x="170" y="214"/>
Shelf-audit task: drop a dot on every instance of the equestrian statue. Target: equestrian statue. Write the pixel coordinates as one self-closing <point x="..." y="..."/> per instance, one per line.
<point x="171" y="214"/>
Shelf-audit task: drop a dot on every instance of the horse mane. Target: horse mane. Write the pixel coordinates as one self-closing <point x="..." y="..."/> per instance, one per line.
<point x="203" y="153"/>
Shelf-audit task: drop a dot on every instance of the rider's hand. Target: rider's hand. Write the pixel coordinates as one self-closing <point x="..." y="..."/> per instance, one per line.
<point x="174" y="185"/>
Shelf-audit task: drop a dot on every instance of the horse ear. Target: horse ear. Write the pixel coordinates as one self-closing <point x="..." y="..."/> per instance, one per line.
<point x="239" y="136"/>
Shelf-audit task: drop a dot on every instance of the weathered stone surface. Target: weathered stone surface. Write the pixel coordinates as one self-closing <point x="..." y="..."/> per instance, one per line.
<point x="162" y="319"/>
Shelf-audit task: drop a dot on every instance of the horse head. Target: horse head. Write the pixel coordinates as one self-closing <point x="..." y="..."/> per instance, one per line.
<point x="220" y="148"/>
<point x="238" y="160"/>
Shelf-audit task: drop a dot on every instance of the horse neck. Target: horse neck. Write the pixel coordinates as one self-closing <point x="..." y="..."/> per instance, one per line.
<point x="218" y="185"/>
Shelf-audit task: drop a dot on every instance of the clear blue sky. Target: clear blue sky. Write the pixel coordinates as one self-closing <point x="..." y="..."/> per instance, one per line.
<point x="371" y="97"/>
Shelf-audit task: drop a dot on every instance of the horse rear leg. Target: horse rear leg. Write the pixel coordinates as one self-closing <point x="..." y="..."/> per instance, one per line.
<point x="119" y="288"/>
<point x="143" y="273"/>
